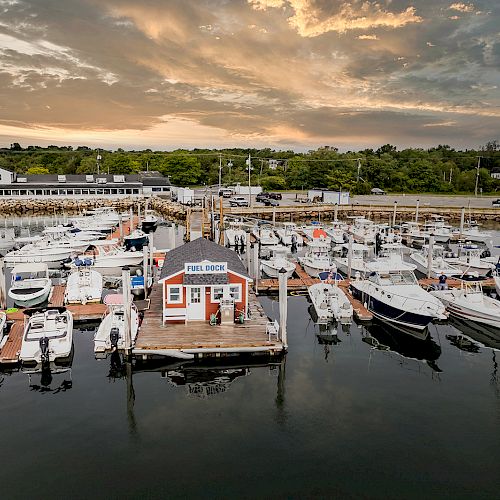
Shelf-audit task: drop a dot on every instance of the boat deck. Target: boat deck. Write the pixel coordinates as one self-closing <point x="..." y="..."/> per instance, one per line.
<point x="199" y="337"/>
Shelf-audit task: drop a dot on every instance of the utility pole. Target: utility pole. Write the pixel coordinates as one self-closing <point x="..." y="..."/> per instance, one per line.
<point x="99" y="158"/>
<point x="359" y="169"/>
<point x="249" y="164"/>
<point x="477" y="174"/>
<point x="220" y="172"/>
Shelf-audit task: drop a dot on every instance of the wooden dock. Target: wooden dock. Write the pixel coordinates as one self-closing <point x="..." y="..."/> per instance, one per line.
<point x="198" y="339"/>
<point x="299" y="284"/>
<point x="9" y="354"/>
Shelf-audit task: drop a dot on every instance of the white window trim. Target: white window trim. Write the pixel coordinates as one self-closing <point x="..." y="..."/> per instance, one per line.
<point x="226" y="289"/>
<point x="213" y="300"/>
<point x="169" y="300"/>
<point x="240" y="295"/>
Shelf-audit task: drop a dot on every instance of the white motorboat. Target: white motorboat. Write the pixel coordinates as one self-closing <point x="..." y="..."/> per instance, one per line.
<point x="48" y="335"/>
<point x="149" y="222"/>
<point x="315" y="231"/>
<point x="337" y="233"/>
<point x="110" y="335"/>
<point x="288" y="234"/>
<point x="438" y="263"/>
<point x="396" y="297"/>
<point x="469" y="261"/>
<point x="330" y="303"/>
<point x="363" y="231"/>
<point x="83" y="286"/>
<point x="265" y="235"/>
<point x="30" y="284"/>
<point x="33" y="253"/>
<point x="276" y="262"/>
<point x="235" y="235"/>
<point x="360" y="254"/>
<point x="469" y="302"/>
<point x="317" y="259"/>
<point x="107" y="257"/>
<point x="437" y="226"/>
<point x="390" y="259"/>
<point x="471" y="232"/>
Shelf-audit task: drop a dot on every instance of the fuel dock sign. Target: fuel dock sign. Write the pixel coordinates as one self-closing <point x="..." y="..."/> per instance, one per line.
<point x="205" y="267"/>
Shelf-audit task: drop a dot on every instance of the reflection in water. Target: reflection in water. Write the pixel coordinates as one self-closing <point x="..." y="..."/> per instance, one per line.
<point x="49" y="377"/>
<point x="385" y="337"/>
<point x="487" y="336"/>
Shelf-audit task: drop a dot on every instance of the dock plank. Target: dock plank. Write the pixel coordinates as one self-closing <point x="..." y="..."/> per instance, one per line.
<point x="10" y="351"/>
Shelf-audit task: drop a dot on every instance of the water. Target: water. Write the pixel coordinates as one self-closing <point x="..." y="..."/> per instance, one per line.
<point x="343" y="420"/>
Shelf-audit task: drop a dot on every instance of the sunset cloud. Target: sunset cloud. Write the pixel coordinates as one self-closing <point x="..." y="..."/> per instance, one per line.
<point x="282" y="73"/>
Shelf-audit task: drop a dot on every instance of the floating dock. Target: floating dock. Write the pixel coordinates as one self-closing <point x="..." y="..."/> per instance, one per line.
<point x="200" y="339"/>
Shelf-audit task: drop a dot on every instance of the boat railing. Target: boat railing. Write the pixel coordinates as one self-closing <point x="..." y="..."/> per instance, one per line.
<point x="409" y="300"/>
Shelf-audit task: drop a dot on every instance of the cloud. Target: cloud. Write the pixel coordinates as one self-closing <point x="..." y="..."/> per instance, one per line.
<point x="462" y="7"/>
<point x="367" y="37"/>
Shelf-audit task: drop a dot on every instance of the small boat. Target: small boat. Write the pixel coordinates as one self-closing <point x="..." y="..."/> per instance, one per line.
<point x="33" y="253"/>
<point x="288" y="234"/>
<point x="469" y="302"/>
<point x="396" y="297"/>
<point x="276" y="262"/>
<point x="363" y="231"/>
<point x="360" y="254"/>
<point x="110" y="335"/>
<point x="136" y="240"/>
<point x="30" y="284"/>
<point x="438" y="264"/>
<point x="110" y="257"/>
<point x="150" y="222"/>
<point x="317" y="259"/>
<point x="469" y="260"/>
<point x="330" y="303"/>
<point x="265" y="235"/>
<point x="315" y="231"/>
<point x="235" y="235"/>
<point x="48" y="335"/>
<point x="337" y="233"/>
<point x="83" y="286"/>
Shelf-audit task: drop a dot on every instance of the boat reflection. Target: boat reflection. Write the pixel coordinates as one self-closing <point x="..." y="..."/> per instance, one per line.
<point x="49" y="377"/>
<point x="385" y="337"/>
<point x="484" y="335"/>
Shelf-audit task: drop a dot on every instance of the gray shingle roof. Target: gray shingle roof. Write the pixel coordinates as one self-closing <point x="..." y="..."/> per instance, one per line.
<point x="197" y="251"/>
<point x="205" y="279"/>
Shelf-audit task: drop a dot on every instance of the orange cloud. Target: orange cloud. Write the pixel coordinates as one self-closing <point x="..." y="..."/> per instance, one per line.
<point x="462" y="7"/>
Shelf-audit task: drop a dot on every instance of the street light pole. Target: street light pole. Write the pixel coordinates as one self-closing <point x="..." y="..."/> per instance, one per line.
<point x="220" y="171"/>
<point x="477" y="174"/>
<point x="249" y="163"/>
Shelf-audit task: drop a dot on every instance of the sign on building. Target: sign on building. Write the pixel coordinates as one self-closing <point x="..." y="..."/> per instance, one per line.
<point x="205" y="267"/>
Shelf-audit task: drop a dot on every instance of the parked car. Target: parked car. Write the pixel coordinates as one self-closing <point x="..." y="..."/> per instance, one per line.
<point x="225" y="192"/>
<point x="275" y="196"/>
<point x="269" y="202"/>
<point x="238" y="201"/>
<point x="496" y="203"/>
<point x="262" y="196"/>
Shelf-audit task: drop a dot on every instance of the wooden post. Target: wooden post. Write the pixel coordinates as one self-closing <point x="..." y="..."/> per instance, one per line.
<point x="256" y="267"/>
<point x="187" y="236"/>
<point x="151" y="255"/>
<point x="283" y="301"/>
<point x="416" y="210"/>
<point x="3" y="294"/>
<point x="131" y="220"/>
<point x="248" y="247"/>
<point x="429" y="255"/>
<point x="145" y="266"/>
<point x="336" y="212"/>
<point x="120" y="226"/>
<point x="221" y="221"/>
<point x="394" y="213"/>
<point x="126" y="307"/>
<point x="349" y="256"/>
<point x="138" y="213"/>
<point x="274" y="216"/>
<point x="462" y="220"/>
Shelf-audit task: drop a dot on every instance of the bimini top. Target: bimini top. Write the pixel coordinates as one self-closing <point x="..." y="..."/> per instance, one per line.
<point x="32" y="267"/>
<point x="201" y="250"/>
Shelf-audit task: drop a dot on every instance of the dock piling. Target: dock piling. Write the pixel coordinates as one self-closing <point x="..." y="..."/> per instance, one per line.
<point x="462" y="220"/>
<point x="394" y="213"/>
<point x="126" y="306"/>
<point x="255" y="258"/>
<point x="283" y="305"/>
<point x="349" y="256"/>
<point x="429" y="255"/>
<point x="416" y="210"/>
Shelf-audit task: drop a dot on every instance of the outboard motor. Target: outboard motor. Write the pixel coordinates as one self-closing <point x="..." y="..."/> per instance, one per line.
<point x="44" y="349"/>
<point x="114" y="335"/>
<point x="485" y="254"/>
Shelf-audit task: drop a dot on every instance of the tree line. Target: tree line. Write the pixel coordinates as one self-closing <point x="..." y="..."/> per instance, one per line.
<point x="441" y="169"/>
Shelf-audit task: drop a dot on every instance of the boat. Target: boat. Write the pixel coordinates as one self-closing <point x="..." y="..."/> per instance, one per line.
<point x="315" y="231"/>
<point x="469" y="302"/>
<point x="276" y="262"/>
<point x="48" y="335"/>
<point x="438" y="264"/>
<point x="396" y="297"/>
<point x="437" y="226"/>
<point x="235" y="235"/>
<point x="83" y="286"/>
<point x="288" y="234"/>
<point x="337" y="233"/>
<point x="317" y="258"/>
<point x="363" y="231"/>
<point x="136" y="240"/>
<point x="110" y="335"/>
<point x="30" y="284"/>
<point x="33" y="253"/>
<point x="358" y="261"/>
<point x="150" y="222"/>
<point x="265" y="235"/>
<point x="330" y="303"/>
<point x="469" y="260"/>
<point x="107" y="257"/>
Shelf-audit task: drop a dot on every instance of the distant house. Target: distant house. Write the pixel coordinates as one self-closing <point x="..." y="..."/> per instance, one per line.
<point x="81" y="185"/>
<point x="495" y="173"/>
<point x="377" y="191"/>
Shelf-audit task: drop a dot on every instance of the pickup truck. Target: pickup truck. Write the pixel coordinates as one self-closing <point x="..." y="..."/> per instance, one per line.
<point x="238" y="201"/>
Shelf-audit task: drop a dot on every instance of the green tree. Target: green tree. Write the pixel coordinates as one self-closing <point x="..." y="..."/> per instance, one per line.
<point x="183" y="170"/>
<point x="273" y="182"/>
<point x="37" y="171"/>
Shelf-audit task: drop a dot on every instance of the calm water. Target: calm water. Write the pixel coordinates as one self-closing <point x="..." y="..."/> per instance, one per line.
<point x="341" y="420"/>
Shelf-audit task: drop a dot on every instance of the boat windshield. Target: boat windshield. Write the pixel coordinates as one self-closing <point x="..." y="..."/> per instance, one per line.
<point x="387" y="279"/>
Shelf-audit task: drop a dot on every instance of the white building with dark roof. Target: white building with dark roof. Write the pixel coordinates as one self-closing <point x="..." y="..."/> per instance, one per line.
<point x="81" y="185"/>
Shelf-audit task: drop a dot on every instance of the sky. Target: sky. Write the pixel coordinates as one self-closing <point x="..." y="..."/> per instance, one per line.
<point x="284" y="74"/>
